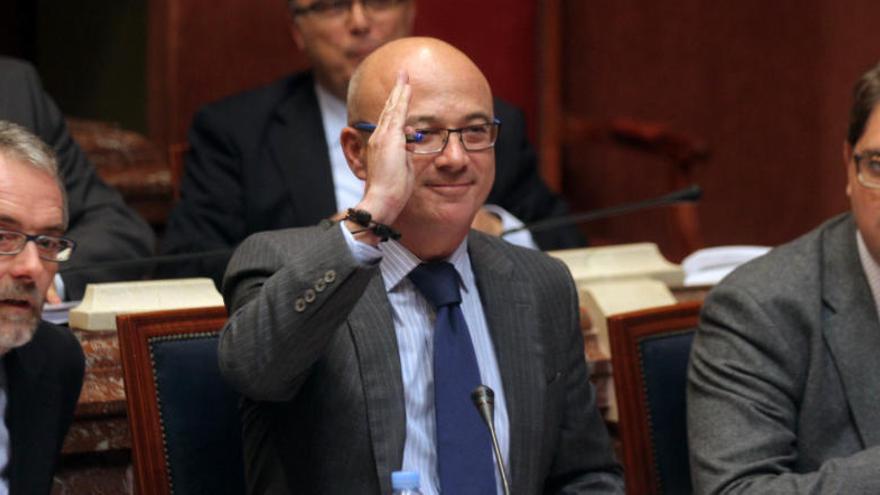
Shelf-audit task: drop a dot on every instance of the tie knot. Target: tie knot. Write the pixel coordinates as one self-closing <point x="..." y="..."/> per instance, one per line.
<point x="438" y="282"/>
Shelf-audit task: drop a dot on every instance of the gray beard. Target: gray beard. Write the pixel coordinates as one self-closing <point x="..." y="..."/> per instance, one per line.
<point x="17" y="330"/>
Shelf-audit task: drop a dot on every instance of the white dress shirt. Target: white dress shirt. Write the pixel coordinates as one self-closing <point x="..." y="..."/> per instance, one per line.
<point x="413" y="319"/>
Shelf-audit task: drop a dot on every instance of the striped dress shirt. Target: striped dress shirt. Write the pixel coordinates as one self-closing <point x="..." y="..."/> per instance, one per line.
<point x="413" y="319"/>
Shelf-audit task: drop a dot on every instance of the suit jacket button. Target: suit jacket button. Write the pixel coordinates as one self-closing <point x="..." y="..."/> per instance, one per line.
<point x="330" y="276"/>
<point x="320" y="285"/>
<point x="310" y="295"/>
<point x="299" y="305"/>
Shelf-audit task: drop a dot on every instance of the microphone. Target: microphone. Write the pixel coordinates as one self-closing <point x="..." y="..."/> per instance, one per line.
<point x="484" y="401"/>
<point x="687" y="195"/>
<point x="148" y="261"/>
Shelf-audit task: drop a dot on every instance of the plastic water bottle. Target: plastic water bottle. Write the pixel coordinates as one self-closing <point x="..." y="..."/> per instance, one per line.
<point x="405" y="483"/>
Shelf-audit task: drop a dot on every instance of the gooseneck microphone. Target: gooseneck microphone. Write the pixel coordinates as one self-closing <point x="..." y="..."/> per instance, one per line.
<point x="484" y="401"/>
<point x="687" y="195"/>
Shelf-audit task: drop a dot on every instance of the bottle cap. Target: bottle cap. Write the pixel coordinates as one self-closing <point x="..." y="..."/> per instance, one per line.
<point x="401" y="480"/>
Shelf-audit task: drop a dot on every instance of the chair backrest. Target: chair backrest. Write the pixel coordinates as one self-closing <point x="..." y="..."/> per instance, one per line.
<point x="650" y="350"/>
<point x="184" y="420"/>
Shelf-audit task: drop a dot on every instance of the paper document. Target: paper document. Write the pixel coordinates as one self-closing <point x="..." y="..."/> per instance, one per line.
<point x="708" y="266"/>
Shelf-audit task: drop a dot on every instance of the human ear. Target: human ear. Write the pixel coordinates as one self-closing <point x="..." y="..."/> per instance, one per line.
<point x="354" y="148"/>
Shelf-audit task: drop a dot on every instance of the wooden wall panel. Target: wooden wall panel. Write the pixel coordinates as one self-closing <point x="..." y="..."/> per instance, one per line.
<point x="767" y="84"/>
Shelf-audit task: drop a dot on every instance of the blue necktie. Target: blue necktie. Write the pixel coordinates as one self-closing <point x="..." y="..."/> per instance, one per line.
<point x="464" y="447"/>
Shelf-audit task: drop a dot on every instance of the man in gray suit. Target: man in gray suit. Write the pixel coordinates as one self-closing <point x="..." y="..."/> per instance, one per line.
<point x="784" y="383"/>
<point x="331" y="341"/>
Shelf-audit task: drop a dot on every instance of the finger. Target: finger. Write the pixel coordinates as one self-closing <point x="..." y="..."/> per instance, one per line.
<point x="396" y="104"/>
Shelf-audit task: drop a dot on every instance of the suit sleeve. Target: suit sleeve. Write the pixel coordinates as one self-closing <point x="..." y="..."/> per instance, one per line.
<point x="268" y="346"/>
<point x="584" y="462"/>
<point x="519" y="188"/>
<point x="103" y="226"/>
<point x="746" y="375"/>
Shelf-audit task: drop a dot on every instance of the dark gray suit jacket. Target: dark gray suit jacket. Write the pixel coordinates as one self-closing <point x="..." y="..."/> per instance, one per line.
<point x="259" y="161"/>
<point x="104" y="228"/>
<point x="44" y="378"/>
<point x="325" y="408"/>
<point x="784" y="384"/>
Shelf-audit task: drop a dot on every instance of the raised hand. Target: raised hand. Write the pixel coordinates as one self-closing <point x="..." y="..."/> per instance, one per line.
<point x="389" y="181"/>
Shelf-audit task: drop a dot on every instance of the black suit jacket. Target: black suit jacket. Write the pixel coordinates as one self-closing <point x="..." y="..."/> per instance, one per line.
<point x="259" y="161"/>
<point x="44" y="378"/>
<point x="104" y="228"/>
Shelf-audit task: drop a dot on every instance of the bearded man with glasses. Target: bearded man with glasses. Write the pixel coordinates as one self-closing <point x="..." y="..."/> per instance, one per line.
<point x="271" y="158"/>
<point x="784" y="381"/>
<point x="42" y="370"/>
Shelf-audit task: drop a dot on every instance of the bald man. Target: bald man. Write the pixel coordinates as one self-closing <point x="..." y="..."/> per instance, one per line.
<point x="343" y="352"/>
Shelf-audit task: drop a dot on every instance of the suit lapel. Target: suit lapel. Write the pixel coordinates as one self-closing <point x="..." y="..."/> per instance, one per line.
<point x="298" y="147"/>
<point x="852" y="329"/>
<point x="372" y="330"/>
<point x="510" y="313"/>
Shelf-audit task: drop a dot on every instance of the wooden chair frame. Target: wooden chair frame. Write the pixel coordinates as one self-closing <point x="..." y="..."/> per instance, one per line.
<point x="135" y="332"/>
<point x="626" y="331"/>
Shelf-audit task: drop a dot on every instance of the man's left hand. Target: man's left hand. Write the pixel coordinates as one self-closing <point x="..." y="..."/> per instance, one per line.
<point x="487" y="222"/>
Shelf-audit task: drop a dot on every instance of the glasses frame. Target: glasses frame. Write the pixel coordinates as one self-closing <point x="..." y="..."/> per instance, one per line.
<point x="858" y="158"/>
<point x="317" y="7"/>
<point x="418" y="136"/>
<point x="35" y="239"/>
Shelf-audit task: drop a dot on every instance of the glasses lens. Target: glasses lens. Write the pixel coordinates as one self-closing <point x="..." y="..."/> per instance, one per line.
<point x="48" y="246"/>
<point x="869" y="169"/>
<point x="432" y="140"/>
<point x="11" y="242"/>
<point x="478" y="137"/>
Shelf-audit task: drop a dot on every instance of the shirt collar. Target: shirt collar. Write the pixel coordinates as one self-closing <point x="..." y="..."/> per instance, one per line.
<point x="334" y="116"/>
<point x="398" y="261"/>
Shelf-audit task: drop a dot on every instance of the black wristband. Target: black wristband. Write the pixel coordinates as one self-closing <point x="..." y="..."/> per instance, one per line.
<point x="365" y="220"/>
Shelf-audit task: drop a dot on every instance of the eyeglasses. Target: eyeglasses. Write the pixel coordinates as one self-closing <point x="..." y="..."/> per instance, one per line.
<point x="337" y="8"/>
<point x="476" y="137"/>
<point x="49" y="247"/>
<point x="868" y="168"/>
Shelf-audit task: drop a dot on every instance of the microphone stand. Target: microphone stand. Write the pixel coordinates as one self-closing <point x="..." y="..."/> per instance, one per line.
<point x="689" y="194"/>
<point x="484" y="400"/>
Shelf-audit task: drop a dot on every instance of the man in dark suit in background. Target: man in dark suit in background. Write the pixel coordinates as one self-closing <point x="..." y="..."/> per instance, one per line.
<point x="332" y="332"/>
<point x="42" y="369"/>
<point x="784" y="383"/>
<point x="103" y="226"/>
<point x="270" y="158"/>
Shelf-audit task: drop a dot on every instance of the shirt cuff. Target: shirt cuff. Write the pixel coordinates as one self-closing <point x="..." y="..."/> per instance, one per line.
<point x="363" y="253"/>
<point x="508" y="221"/>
